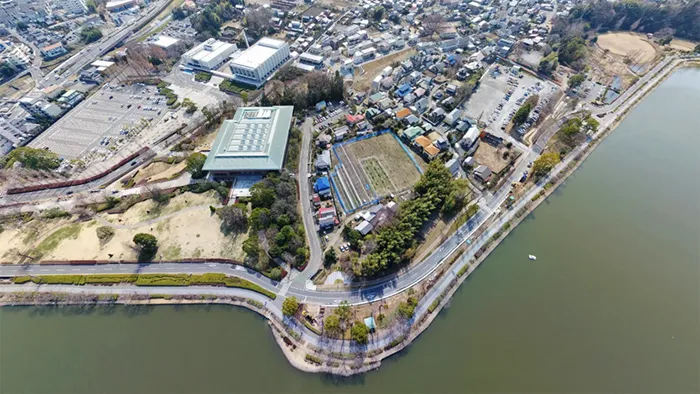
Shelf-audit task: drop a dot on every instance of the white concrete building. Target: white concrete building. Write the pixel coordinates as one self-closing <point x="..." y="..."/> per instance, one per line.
<point x="209" y="55"/>
<point x="168" y="44"/>
<point x="76" y="7"/>
<point x="9" y="136"/>
<point x="38" y="107"/>
<point x="257" y="63"/>
<point x="17" y="55"/>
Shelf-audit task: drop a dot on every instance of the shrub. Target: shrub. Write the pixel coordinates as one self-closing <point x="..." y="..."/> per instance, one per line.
<point x="55" y="213"/>
<point x="313" y="359"/>
<point x="104" y="234"/>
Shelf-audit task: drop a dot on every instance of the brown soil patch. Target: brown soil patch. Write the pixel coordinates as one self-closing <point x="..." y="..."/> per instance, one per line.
<point x="374" y="68"/>
<point x="491" y="157"/>
<point x="683" y="45"/>
<point x="391" y="157"/>
<point x="632" y="45"/>
<point x="18" y="88"/>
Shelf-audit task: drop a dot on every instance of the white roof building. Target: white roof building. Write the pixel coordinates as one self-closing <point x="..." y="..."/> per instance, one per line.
<point x="165" y="42"/>
<point x="209" y="55"/>
<point x="257" y="63"/>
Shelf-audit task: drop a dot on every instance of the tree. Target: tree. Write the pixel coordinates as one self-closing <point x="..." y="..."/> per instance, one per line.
<point x="179" y="13"/>
<point x="545" y="163"/>
<point x="31" y="158"/>
<point x="244" y="97"/>
<point x="290" y="305"/>
<point x="259" y="219"/>
<point x="258" y="22"/>
<point x="360" y="332"/>
<point x="521" y="114"/>
<point x="195" y="163"/>
<point x="332" y="324"/>
<point x="407" y="308"/>
<point x="549" y="64"/>
<point x="330" y="257"/>
<point x="251" y="247"/>
<point x="570" y="130"/>
<point x="576" y="81"/>
<point x="7" y="70"/>
<point x="378" y="13"/>
<point x="433" y="24"/>
<point x="233" y="219"/>
<point x="190" y="106"/>
<point x="21" y="26"/>
<point x="90" y="34"/>
<point x="262" y="196"/>
<point x="148" y="244"/>
<point x="344" y="312"/>
<point x="697" y="49"/>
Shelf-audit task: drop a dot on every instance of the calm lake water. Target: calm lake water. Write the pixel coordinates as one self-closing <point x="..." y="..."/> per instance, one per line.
<point x="610" y="305"/>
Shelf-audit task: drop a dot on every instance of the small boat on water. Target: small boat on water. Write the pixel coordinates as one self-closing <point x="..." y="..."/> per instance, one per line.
<point x="532" y="257"/>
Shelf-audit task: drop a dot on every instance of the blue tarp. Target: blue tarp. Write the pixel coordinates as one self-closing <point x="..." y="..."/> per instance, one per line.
<point x="321" y="184"/>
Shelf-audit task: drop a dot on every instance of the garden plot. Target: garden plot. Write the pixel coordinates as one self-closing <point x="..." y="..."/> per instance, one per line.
<point x="368" y="169"/>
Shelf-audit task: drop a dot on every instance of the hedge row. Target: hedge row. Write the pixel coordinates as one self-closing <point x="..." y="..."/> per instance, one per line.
<point x="311" y="327"/>
<point x="313" y="359"/>
<point x="148" y="280"/>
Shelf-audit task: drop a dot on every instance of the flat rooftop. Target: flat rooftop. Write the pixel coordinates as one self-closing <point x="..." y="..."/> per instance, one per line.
<point x="257" y="54"/>
<point x="254" y="140"/>
<point x="165" y="41"/>
<point x="208" y="50"/>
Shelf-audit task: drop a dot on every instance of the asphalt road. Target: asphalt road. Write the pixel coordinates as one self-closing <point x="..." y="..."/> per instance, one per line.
<point x="383" y="288"/>
<point x="307" y="213"/>
<point x="93" y="51"/>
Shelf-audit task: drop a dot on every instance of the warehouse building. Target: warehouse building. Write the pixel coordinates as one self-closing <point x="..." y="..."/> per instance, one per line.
<point x="253" y="142"/>
<point x="209" y="55"/>
<point x="257" y="63"/>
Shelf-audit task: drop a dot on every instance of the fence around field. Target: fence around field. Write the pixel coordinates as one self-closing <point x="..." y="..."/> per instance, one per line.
<point x="337" y="185"/>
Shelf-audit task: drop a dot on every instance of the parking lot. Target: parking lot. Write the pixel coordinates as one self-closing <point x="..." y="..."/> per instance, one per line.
<point x="103" y="122"/>
<point x="501" y="94"/>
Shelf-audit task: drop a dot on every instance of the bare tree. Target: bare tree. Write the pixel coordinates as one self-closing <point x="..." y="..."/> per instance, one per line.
<point x="433" y="24"/>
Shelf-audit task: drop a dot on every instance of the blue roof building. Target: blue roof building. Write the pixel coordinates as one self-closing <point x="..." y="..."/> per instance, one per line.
<point x="322" y="184"/>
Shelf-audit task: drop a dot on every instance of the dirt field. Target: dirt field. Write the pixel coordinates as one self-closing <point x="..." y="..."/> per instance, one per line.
<point x="628" y="44"/>
<point x="683" y="45"/>
<point x="23" y="86"/>
<point x="491" y="157"/>
<point x="604" y="68"/>
<point x="372" y="168"/>
<point x="191" y="231"/>
<point x="374" y="68"/>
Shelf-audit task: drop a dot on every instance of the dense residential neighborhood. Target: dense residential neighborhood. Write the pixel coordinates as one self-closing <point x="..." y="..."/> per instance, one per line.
<point x="338" y="167"/>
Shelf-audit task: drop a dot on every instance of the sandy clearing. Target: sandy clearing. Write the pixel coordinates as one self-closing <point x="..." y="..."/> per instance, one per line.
<point x="624" y="44"/>
<point x="374" y="68"/>
<point x="148" y="209"/>
<point x="190" y="234"/>
<point x="683" y="45"/>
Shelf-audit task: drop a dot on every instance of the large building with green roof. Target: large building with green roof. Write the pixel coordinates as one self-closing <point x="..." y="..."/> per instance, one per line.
<point x="254" y="141"/>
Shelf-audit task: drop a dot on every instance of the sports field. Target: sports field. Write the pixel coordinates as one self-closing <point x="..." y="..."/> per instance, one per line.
<point x="632" y="45"/>
<point x="372" y="168"/>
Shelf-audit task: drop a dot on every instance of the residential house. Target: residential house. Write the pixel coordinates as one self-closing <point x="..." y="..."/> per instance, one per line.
<point x="411" y="133"/>
<point x="340" y="133"/>
<point x="482" y="173"/>
<point x="364" y="227"/>
<point x="323" y="161"/>
<point x="322" y="186"/>
<point x="453" y="166"/>
<point x="323" y="140"/>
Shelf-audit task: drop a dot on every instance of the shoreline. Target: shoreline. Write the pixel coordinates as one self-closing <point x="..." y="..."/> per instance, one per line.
<point x="306" y="357"/>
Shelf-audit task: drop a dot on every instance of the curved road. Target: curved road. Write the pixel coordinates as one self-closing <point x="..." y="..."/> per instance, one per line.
<point x="395" y="283"/>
